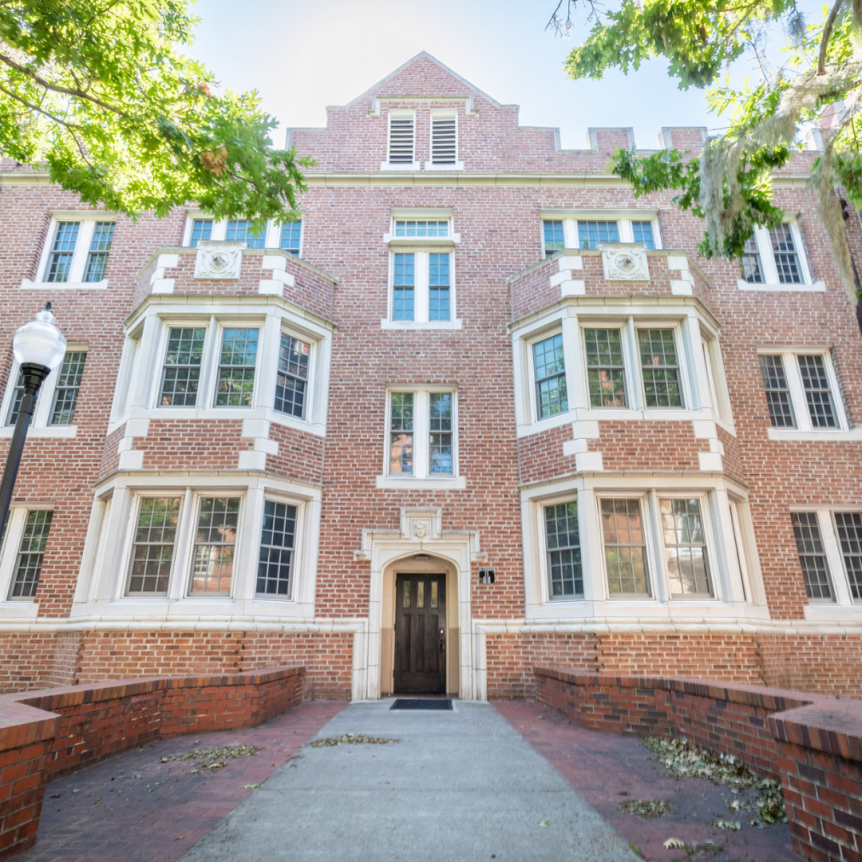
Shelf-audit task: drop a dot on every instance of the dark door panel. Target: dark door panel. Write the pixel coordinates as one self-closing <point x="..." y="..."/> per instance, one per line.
<point x="420" y="634"/>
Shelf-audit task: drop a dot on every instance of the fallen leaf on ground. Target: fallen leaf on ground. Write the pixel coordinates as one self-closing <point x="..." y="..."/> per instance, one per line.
<point x="544" y="823"/>
<point x="351" y="739"/>
<point x="674" y="844"/>
<point x="645" y="807"/>
<point x="730" y="825"/>
<point x="250" y="786"/>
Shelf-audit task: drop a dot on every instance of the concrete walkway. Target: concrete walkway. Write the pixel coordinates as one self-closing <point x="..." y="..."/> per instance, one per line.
<point x="460" y="785"/>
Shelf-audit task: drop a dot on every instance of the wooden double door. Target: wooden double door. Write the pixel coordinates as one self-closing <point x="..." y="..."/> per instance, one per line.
<point x="420" y="634"/>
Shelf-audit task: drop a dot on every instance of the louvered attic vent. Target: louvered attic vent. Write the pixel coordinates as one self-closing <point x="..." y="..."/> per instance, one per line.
<point x="444" y="149"/>
<point x="400" y="140"/>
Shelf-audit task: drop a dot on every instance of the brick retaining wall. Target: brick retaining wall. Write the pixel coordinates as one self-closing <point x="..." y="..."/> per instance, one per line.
<point x="44" y="734"/>
<point x="811" y="743"/>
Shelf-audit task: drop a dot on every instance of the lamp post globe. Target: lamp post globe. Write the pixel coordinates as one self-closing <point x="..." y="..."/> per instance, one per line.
<point x="39" y="348"/>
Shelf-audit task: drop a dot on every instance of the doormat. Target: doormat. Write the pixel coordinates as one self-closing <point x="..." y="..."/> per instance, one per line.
<point x="403" y="703"/>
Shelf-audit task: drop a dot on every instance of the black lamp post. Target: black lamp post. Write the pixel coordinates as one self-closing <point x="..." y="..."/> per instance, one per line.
<point x="39" y="348"/>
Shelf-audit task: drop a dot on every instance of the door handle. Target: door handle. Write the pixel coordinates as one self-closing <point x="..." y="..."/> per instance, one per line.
<point x="442" y="640"/>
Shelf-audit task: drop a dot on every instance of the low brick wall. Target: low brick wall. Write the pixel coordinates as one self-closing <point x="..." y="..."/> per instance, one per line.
<point x="44" y="734"/>
<point x="811" y="743"/>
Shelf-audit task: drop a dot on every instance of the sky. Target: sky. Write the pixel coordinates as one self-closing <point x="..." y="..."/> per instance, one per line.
<point x="302" y="55"/>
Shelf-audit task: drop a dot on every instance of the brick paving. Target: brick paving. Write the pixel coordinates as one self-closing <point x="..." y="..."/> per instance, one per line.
<point x="135" y="808"/>
<point x="608" y="769"/>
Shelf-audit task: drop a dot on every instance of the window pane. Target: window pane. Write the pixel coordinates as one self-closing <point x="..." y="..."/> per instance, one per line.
<point x="564" y="550"/>
<point x="420" y="594"/>
<point x="214" y="545"/>
<point x="751" y="269"/>
<point x="592" y="233"/>
<point x="554" y="240"/>
<point x="31" y="552"/>
<point x="848" y="526"/>
<point x="17" y="398"/>
<point x="812" y="556"/>
<point x="625" y="548"/>
<point x="292" y="377"/>
<point x="202" y="229"/>
<point x="662" y="386"/>
<point x="642" y="233"/>
<point x="550" y="370"/>
<point x="276" y="549"/>
<point x="60" y="259"/>
<point x="401" y="434"/>
<point x="68" y="384"/>
<point x="402" y="299"/>
<point x="441" y="433"/>
<point x="236" y="368"/>
<point x="182" y="369"/>
<point x="290" y="236"/>
<point x="818" y="393"/>
<point x="153" y="548"/>
<point x="422" y="229"/>
<point x="605" y="368"/>
<point x="240" y="230"/>
<point x="97" y="260"/>
<point x="433" y="594"/>
<point x="407" y="585"/>
<point x="784" y="253"/>
<point x="438" y="285"/>
<point x="685" y="547"/>
<point x="777" y="391"/>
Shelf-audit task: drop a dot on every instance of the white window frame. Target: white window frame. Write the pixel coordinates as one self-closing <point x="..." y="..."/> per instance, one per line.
<point x="272" y="232"/>
<point x="643" y="499"/>
<point x="421" y="476"/>
<point x="804" y="430"/>
<point x="533" y="339"/>
<point x="296" y="551"/>
<point x="443" y="114"/>
<point x="623" y="218"/>
<point x="770" y="271"/>
<point x="400" y="166"/>
<point x="421" y="250"/>
<point x="87" y="221"/>
<point x="195" y="498"/>
<point x="16" y="521"/>
<point x="39" y="426"/>
<point x="719" y="394"/>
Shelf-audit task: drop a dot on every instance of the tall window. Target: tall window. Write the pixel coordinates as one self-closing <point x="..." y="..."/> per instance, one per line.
<point x="685" y="547"/>
<point x="182" y="369"/>
<point x="441" y="450"/>
<point x="773" y="257"/>
<point x="550" y="371"/>
<point x="68" y="384"/>
<point x="403" y="287"/>
<point x="625" y="547"/>
<point x="554" y="240"/>
<point x="818" y="393"/>
<point x="153" y="547"/>
<point x="605" y="367"/>
<point x="31" y="552"/>
<point x="62" y="251"/>
<point x="240" y="230"/>
<point x="277" y="540"/>
<point x="100" y="245"/>
<point x="812" y="555"/>
<point x="848" y="527"/>
<point x="401" y="434"/>
<point x="291" y="233"/>
<point x="236" y="368"/>
<point x="750" y="265"/>
<point x="642" y="233"/>
<point x="202" y="229"/>
<point x="438" y="287"/>
<point x="660" y="368"/>
<point x="564" y="550"/>
<point x="777" y="391"/>
<point x="592" y="233"/>
<point x="215" y="542"/>
<point x="292" y="378"/>
<point x="785" y="256"/>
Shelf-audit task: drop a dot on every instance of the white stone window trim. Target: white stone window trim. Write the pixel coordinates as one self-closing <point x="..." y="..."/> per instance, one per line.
<point x="272" y="232"/>
<point x="770" y="271"/>
<point x="24" y="608"/>
<point x="421" y="249"/>
<point x="399" y="166"/>
<point x="39" y="426"/>
<point x="105" y="563"/>
<point x="425" y="243"/>
<point x="87" y="220"/>
<point x="443" y="114"/>
<point x="623" y="218"/>
<point x="716" y="375"/>
<point x="842" y="607"/>
<point x="139" y="379"/>
<point x="804" y="430"/>
<point x="421" y="478"/>
<point x="734" y="568"/>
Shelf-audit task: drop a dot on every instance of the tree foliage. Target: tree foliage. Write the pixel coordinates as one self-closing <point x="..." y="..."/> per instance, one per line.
<point x="730" y="183"/>
<point x="98" y="92"/>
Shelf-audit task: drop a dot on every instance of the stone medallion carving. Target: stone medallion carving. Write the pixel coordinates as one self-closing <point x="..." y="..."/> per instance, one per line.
<point x="218" y="260"/>
<point x="420" y="529"/>
<point x="625" y="263"/>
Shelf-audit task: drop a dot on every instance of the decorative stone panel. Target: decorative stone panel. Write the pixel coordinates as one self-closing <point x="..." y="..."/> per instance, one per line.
<point x="222" y="260"/>
<point x="625" y="262"/>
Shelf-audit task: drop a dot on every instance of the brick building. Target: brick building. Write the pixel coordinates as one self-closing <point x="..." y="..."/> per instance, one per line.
<point x="480" y="409"/>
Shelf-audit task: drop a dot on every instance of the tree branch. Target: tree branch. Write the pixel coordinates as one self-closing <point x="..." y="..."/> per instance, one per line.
<point x="39" y="110"/>
<point x="827" y="34"/>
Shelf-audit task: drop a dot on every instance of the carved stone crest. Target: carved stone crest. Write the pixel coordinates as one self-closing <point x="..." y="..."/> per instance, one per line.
<point x="220" y="260"/>
<point x="625" y="263"/>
